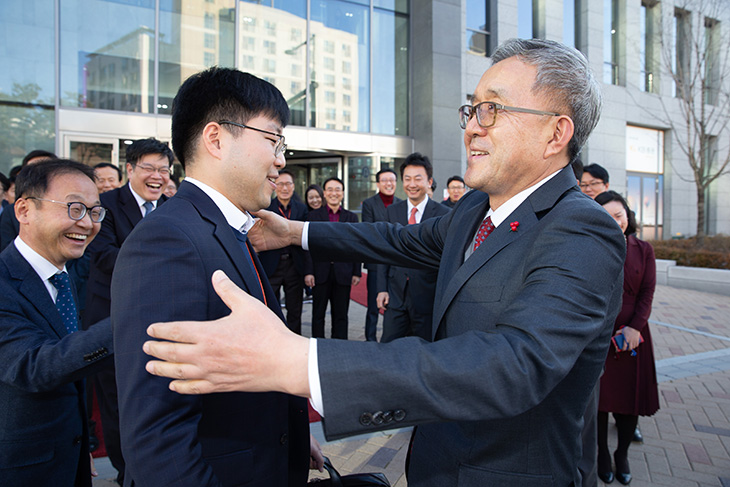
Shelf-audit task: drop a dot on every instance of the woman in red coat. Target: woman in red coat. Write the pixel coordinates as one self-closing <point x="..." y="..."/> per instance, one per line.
<point x="628" y="385"/>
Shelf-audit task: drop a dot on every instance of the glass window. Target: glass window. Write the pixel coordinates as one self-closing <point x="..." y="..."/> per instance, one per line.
<point x="27" y="90"/>
<point x="346" y="67"/>
<point x="329" y="96"/>
<point x="713" y="46"/>
<point x="248" y="43"/>
<point x="569" y="12"/>
<point x="329" y="47"/>
<point x="106" y="63"/>
<point x="525" y="29"/>
<point x="209" y="20"/>
<point x="329" y="63"/>
<point x="479" y="30"/>
<point x="186" y="47"/>
<point x="329" y="80"/>
<point x="247" y="63"/>
<point x="390" y="73"/>
<point x="346" y="100"/>
<point x="344" y="23"/>
<point x="682" y="50"/>
<point x="611" y="33"/>
<point x="360" y="180"/>
<point x="649" y="45"/>
<point x="284" y="36"/>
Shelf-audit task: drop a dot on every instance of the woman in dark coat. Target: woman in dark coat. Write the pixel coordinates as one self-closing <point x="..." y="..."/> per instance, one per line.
<point x="628" y="385"/>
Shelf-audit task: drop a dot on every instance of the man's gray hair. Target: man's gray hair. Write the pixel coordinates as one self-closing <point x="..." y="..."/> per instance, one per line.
<point x="564" y="76"/>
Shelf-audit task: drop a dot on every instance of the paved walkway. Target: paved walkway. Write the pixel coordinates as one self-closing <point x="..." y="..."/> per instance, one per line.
<point x="687" y="443"/>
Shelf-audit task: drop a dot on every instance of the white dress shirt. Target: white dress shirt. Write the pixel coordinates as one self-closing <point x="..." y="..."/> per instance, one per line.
<point x="40" y="265"/>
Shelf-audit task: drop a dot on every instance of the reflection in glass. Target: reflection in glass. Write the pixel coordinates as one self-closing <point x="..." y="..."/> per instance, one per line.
<point x="273" y="46"/>
<point x="194" y="35"/>
<point x="390" y="74"/>
<point x="23" y="129"/>
<point x="361" y="181"/>
<point x="91" y="153"/>
<point x="346" y="25"/>
<point x="107" y="63"/>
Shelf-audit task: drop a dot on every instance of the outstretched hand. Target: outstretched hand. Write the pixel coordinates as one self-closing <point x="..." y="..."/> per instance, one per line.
<point x="272" y="231"/>
<point x="249" y="350"/>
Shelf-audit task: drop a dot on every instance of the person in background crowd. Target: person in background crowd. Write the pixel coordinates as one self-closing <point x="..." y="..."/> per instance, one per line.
<point x="331" y="281"/>
<point x="374" y="210"/>
<point x="455" y="187"/>
<point x="577" y="166"/>
<point x="148" y="169"/>
<point x="108" y="177"/>
<point x="314" y="197"/>
<point x="628" y="384"/>
<point x="285" y="267"/>
<point x="172" y="186"/>
<point x="594" y="180"/>
<point x="43" y="355"/>
<point x="4" y="186"/>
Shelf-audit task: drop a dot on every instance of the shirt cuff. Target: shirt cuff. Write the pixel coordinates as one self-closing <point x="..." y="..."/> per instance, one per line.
<point x="315" y="388"/>
<point x="305" y="236"/>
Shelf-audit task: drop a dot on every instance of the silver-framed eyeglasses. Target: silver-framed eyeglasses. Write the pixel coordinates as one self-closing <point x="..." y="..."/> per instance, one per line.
<point x="486" y="112"/>
<point x="146" y="168"/>
<point x="279" y="145"/>
<point x="77" y="210"/>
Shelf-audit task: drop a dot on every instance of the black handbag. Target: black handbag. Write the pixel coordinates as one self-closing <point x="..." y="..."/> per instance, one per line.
<point x="352" y="480"/>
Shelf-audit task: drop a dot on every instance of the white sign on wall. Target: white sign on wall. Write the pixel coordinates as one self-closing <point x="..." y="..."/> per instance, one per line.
<point x="644" y="150"/>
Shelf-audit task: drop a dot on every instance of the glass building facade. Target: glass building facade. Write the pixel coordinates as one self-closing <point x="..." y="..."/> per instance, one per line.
<point x="342" y="65"/>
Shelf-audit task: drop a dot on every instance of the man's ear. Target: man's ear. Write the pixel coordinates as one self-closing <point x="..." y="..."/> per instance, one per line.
<point x="211" y="139"/>
<point x="562" y="133"/>
<point x="22" y="209"/>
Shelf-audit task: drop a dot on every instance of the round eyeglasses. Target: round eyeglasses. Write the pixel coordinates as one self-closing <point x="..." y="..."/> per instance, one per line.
<point x="77" y="210"/>
<point x="486" y="113"/>
<point x="279" y="145"/>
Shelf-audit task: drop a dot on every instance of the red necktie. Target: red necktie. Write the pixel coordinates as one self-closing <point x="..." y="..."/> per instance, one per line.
<point x="412" y="219"/>
<point x="484" y="230"/>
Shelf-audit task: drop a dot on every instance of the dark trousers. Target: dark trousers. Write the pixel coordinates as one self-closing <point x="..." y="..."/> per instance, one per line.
<point x="588" y="462"/>
<point x="403" y="320"/>
<point x="371" y="318"/>
<point x="286" y="274"/>
<point x="339" y="299"/>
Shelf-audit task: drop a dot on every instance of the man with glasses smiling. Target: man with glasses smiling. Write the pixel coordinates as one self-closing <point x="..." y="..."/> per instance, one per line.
<point x="148" y="170"/>
<point x="43" y="355"/>
<point x="226" y="132"/>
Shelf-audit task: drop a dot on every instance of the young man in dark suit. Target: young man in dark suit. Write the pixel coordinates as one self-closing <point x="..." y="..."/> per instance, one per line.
<point x="407" y="294"/>
<point x="148" y="169"/>
<point x="226" y="132"/>
<point x="331" y="281"/>
<point x="374" y="210"/>
<point x="285" y="267"/>
<point x="521" y="327"/>
<point x="455" y="187"/>
<point x="43" y="356"/>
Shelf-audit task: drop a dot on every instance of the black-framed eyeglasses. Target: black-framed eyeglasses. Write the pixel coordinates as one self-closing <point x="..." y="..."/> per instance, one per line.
<point x="279" y="145"/>
<point x="486" y="112"/>
<point x="77" y="210"/>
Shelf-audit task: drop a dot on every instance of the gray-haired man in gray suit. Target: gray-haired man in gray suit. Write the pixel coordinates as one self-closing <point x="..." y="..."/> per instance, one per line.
<point x="521" y="327"/>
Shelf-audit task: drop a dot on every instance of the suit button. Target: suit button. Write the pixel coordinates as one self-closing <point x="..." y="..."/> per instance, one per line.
<point x="77" y="440"/>
<point x="388" y="416"/>
<point x="366" y="419"/>
<point x="378" y="418"/>
<point x="399" y="415"/>
<point x="284" y="438"/>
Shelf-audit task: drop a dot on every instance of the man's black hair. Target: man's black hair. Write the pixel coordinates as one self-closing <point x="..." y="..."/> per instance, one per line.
<point x="609" y="196"/>
<point x="38" y="153"/>
<point x="34" y="179"/>
<point x="383" y="171"/>
<point x="578" y="169"/>
<point x="108" y="164"/>
<point x="334" y="179"/>
<point x="140" y="148"/>
<point x="4" y="182"/>
<point x="286" y="171"/>
<point x="417" y="159"/>
<point x="455" y="178"/>
<point x="598" y="172"/>
<point x="14" y="173"/>
<point x="218" y="94"/>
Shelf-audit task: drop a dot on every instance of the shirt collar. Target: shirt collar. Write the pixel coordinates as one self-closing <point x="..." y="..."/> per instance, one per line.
<point x="421" y="208"/>
<point x="141" y="201"/>
<point x="236" y="218"/>
<point x="500" y="214"/>
<point x="40" y="264"/>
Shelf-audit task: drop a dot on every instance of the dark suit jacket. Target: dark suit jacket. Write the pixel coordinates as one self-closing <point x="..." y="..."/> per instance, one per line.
<point x="257" y="440"/>
<point x="421" y="282"/>
<point x="373" y="210"/>
<point x="270" y="258"/>
<point x="320" y="268"/>
<point x="9" y="226"/>
<point x="521" y="329"/>
<point x="122" y="214"/>
<point x="43" y="431"/>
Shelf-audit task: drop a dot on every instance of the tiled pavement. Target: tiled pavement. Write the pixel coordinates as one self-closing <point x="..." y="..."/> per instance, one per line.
<point x="686" y="443"/>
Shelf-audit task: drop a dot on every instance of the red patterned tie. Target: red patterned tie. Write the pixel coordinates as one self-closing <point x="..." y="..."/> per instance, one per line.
<point x="484" y="230"/>
<point x="412" y="219"/>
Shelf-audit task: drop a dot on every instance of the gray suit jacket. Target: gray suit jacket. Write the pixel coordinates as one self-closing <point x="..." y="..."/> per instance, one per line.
<point x="521" y="333"/>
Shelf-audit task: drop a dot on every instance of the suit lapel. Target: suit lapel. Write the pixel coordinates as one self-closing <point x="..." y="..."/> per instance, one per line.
<point x="35" y="291"/>
<point x="129" y="205"/>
